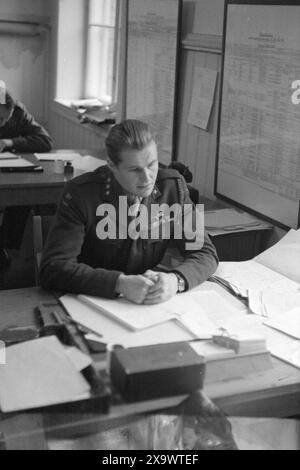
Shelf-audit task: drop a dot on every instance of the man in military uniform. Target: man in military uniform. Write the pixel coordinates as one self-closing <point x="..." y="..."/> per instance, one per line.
<point x="19" y="132"/>
<point x="79" y="258"/>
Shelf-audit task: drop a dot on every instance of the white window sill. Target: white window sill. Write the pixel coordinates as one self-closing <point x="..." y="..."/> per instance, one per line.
<point x="64" y="108"/>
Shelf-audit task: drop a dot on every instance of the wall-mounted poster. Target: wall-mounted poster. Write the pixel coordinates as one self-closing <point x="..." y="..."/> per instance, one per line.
<point x="152" y="46"/>
<point x="259" y="140"/>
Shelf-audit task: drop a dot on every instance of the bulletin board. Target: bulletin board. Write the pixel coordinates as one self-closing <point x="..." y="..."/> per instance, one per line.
<point x="153" y="34"/>
<point x="258" y="156"/>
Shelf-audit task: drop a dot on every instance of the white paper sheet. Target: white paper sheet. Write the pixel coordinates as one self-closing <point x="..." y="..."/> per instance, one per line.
<point x="15" y="163"/>
<point x="113" y="332"/>
<point x="39" y="373"/>
<point x="284" y="256"/>
<point x="288" y="323"/>
<point x="78" y="358"/>
<point x="65" y="156"/>
<point x="202" y="96"/>
<point x="133" y="316"/>
<point x="8" y="155"/>
<point x="253" y="275"/>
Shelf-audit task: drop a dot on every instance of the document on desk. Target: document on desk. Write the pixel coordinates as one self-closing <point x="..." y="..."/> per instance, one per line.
<point x="113" y="332"/>
<point x="288" y="323"/>
<point x="283" y="346"/>
<point x="270" y="303"/>
<point x="244" y="275"/>
<point x="15" y="163"/>
<point x="132" y="316"/>
<point x="8" y="156"/>
<point x="193" y="315"/>
<point x="38" y="373"/>
<point x="284" y="256"/>
<point x="53" y="156"/>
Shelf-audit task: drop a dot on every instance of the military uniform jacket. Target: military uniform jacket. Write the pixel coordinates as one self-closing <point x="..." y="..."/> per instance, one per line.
<point x="27" y="135"/>
<point x="76" y="260"/>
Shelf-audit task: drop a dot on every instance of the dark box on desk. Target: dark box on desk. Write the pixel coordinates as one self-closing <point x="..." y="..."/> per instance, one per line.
<point x="160" y="370"/>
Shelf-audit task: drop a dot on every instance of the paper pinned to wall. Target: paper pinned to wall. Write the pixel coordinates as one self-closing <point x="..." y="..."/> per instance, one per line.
<point x="202" y="96"/>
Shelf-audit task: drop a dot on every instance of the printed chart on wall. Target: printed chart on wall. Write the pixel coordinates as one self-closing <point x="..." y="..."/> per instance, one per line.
<point x="259" y="139"/>
<point x="152" y="44"/>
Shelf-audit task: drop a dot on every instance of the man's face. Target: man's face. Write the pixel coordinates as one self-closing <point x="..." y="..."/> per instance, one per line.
<point x="5" y="115"/>
<point x="137" y="170"/>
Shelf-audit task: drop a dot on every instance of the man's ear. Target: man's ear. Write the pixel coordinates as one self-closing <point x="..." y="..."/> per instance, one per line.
<point x="110" y="164"/>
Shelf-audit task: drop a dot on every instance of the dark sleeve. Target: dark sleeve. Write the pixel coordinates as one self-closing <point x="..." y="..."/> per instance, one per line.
<point x="200" y="256"/>
<point x="32" y="137"/>
<point x="60" y="269"/>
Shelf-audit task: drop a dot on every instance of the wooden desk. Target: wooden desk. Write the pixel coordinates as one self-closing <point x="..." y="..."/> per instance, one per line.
<point x="237" y="245"/>
<point x="271" y="393"/>
<point x="20" y="189"/>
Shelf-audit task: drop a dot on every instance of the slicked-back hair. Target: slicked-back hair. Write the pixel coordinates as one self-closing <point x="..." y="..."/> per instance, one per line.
<point x="130" y="134"/>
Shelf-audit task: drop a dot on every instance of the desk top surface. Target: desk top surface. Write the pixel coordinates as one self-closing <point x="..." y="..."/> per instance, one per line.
<point x="44" y="178"/>
<point x="274" y="392"/>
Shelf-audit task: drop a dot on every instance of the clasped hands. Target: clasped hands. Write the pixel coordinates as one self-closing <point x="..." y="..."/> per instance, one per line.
<point x="148" y="288"/>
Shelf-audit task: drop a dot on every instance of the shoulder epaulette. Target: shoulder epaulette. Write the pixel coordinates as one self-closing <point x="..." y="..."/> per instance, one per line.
<point x="167" y="173"/>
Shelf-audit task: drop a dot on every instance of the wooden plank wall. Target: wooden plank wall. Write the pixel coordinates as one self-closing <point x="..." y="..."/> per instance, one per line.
<point x="68" y="132"/>
<point x="196" y="147"/>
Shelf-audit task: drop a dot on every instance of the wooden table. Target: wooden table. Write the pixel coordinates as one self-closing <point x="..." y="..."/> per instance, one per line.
<point x="29" y="188"/>
<point x="271" y="393"/>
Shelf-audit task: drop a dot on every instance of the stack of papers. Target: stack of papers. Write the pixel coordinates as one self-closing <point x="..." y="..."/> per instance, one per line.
<point x="242" y="342"/>
<point x="39" y="373"/>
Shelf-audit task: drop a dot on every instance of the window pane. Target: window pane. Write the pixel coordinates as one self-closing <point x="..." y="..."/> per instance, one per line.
<point x="102" y="12"/>
<point x="100" y="60"/>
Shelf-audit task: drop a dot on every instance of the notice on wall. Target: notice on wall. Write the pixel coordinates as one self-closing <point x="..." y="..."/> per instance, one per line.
<point x="202" y="96"/>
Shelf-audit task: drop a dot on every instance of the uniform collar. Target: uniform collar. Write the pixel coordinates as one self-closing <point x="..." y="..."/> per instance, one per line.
<point x="112" y="190"/>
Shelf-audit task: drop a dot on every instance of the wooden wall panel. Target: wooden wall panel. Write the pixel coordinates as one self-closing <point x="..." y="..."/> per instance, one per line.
<point x="197" y="147"/>
<point x="70" y="133"/>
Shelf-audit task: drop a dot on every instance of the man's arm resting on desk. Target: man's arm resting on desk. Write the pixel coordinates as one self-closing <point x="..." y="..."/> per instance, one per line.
<point x="199" y="262"/>
<point x="28" y="135"/>
<point x="60" y="268"/>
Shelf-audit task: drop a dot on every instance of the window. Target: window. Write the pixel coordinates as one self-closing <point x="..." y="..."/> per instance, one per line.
<point x="100" y="69"/>
<point x="87" y="50"/>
